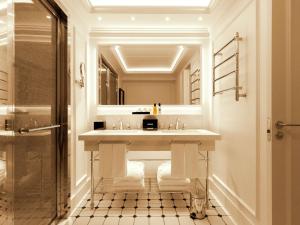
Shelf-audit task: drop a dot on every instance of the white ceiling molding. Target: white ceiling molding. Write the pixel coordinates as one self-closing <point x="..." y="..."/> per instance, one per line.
<point x="148" y="40"/>
<point x="169" y="69"/>
<point x="152" y="10"/>
<point x="138" y="31"/>
<point x="164" y="36"/>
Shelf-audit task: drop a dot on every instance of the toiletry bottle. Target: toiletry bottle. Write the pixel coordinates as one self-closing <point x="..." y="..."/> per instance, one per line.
<point x="154" y="109"/>
<point x="159" y="108"/>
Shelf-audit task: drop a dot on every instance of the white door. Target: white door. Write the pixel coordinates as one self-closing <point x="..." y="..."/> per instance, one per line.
<point x="286" y="108"/>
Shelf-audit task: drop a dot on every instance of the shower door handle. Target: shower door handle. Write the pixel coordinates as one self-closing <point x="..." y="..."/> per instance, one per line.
<point x="26" y="130"/>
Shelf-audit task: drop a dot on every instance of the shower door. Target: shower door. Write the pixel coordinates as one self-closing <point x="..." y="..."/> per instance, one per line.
<point x="40" y="188"/>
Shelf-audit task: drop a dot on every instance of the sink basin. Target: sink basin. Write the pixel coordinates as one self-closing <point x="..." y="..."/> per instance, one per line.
<point x="182" y="131"/>
<point x="119" y="131"/>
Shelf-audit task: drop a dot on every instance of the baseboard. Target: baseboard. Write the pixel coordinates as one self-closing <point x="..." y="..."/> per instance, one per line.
<point x="80" y="193"/>
<point x="239" y="211"/>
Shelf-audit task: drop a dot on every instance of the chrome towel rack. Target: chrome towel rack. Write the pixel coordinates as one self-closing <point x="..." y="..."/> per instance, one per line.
<point x="236" y="71"/>
<point x="195" y="87"/>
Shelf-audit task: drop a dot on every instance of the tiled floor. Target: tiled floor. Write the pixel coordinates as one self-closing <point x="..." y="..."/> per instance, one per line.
<point x="143" y="209"/>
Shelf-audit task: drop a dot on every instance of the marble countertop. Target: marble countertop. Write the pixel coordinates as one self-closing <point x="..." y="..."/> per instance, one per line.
<point x="142" y="135"/>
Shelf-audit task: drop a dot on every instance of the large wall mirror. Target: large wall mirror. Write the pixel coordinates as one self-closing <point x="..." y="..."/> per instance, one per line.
<point x="147" y="74"/>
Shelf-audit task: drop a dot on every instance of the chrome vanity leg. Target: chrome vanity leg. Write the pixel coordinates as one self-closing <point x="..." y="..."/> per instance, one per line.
<point x="205" y="205"/>
<point x="92" y="179"/>
<point x="206" y="183"/>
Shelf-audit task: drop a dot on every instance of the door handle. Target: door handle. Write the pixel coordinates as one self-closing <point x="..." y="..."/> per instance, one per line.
<point x="280" y="125"/>
<point x="26" y="130"/>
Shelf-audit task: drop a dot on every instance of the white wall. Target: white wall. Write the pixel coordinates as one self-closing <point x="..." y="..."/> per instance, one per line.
<point x="145" y="89"/>
<point x="233" y="165"/>
<point x="141" y="92"/>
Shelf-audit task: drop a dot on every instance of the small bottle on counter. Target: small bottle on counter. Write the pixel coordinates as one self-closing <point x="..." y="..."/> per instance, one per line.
<point x="155" y="111"/>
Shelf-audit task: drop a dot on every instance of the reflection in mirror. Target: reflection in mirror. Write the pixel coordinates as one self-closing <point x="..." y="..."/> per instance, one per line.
<point x="147" y="74"/>
<point x="3" y="58"/>
<point x="108" y="83"/>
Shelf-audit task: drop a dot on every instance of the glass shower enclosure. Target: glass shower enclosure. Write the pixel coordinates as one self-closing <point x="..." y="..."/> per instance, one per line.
<point x="34" y="179"/>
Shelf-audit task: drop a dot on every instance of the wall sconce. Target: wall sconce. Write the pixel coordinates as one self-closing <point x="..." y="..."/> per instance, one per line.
<point x="82" y="75"/>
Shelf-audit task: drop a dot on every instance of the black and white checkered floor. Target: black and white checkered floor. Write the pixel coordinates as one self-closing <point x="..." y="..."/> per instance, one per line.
<point x="143" y="209"/>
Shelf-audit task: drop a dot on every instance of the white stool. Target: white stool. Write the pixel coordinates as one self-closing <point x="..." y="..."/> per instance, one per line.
<point x="167" y="182"/>
<point x="133" y="181"/>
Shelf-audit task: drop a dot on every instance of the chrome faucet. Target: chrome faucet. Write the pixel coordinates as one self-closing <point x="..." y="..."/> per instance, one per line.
<point x="121" y="125"/>
<point x="177" y="124"/>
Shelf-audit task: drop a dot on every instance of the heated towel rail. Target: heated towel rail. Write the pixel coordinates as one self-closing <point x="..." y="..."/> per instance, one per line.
<point x="195" y="87"/>
<point x="236" y="71"/>
<point x="3" y="87"/>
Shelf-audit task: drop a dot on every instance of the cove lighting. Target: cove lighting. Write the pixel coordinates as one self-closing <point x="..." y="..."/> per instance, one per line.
<point x="152" y="3"/>
<point x="3" y="5"/>
<point x="149" y="69"/>
<point x="24" y="1"/>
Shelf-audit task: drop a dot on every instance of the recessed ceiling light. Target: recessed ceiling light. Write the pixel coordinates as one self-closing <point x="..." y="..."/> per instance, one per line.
<point x="200" y="18"/>
<point x="99" y="18"/>
<point x="167" y="18"/>
<point x="163" y="3"/>
<point x="48" y="17"/>
<point x="132" y="18"/>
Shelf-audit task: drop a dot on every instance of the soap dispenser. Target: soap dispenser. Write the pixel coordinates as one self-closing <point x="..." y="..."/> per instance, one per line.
<point x="159" y="108"/>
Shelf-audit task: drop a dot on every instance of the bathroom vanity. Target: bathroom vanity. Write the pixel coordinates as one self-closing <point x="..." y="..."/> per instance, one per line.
<point x="158" y="140"/>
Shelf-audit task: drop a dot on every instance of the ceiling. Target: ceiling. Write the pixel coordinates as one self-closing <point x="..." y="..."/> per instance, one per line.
<point x="150" y="14"/>
<point x="149" y="58"/>
<point x="152" y="3"/>
<point x="143" y="6"/>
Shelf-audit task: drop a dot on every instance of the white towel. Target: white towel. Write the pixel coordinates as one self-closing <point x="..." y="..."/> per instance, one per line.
<point x="182" y="182"/>
<point x="166" y="182"/>
<point x="192" y="161"/>
<point x="135" y="174"/>
<point x="135" y="170"/>
<point x="137" y="186"/>
<point x="134" y="179"/>
<point x="164" y="172"/>
<point x="178" y="160"/>
<point x="119" y="165"/>
<point x="106" y="159"/>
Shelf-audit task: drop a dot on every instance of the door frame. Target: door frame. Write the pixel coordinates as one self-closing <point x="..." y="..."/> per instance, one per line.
<point x="62" y="161"/>
<point x="264" y="112"/>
